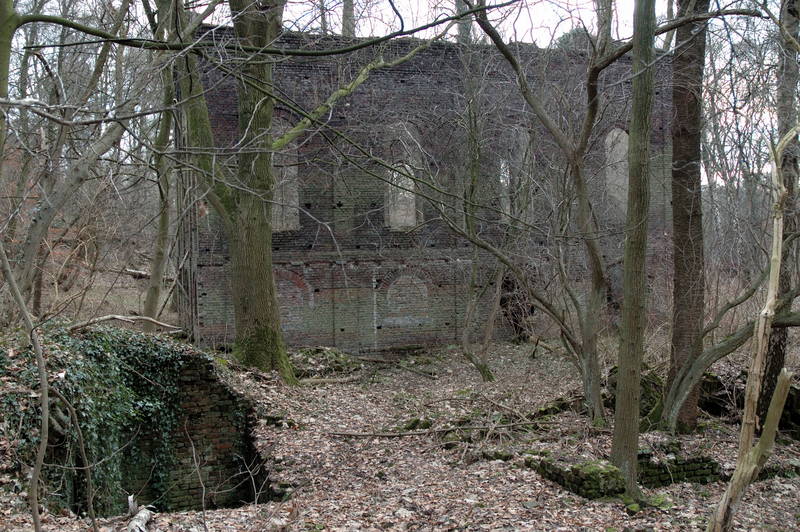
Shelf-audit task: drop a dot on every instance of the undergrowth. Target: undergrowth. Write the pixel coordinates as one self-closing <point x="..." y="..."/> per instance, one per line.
<point x="122" y="384"/>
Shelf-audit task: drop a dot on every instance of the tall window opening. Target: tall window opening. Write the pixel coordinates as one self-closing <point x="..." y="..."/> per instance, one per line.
<point x="400" y="204"/>
<point x="285" y="195"/>
<point x="505" y="190"/>
<point x="616" y="145"/>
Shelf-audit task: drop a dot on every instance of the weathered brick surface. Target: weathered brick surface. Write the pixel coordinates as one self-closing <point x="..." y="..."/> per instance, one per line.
<point x="676" y="468"/>
<point x="213" y="451"/>
<point x="344" y="277"/>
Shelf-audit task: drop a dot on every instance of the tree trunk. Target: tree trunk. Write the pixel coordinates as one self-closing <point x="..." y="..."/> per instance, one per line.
<point x="470" y="200"/>
<point x="259" y="340"/>
<point x="631" y="346"/>
<point x="8" y="25"/>
<point x="787" y="119"/>
<point x="751" y="463"/>
<point x="464" y="25"/>
<point x="751" y="458"/>
<point x="163" y="168"/>
<point x="348" y="19"/>
<point x="688" y="291"/>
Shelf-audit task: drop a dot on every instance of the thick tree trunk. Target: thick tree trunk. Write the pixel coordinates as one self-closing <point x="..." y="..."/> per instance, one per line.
<point x="8" y="25"/>
<point x="259" y="340"/>
<point x="787" y="119"/>
<point x="631" y="346"/>
<point x="464" y="25"/>
<point x="688" y="294"/>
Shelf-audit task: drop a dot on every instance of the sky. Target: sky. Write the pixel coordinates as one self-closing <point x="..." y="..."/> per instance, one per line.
<point x="538" y="21"/>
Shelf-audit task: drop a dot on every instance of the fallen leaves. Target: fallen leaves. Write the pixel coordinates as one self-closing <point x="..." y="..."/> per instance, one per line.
<point x="414" y="483"/>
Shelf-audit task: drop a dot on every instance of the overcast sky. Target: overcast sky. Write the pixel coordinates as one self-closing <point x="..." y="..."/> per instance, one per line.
<point x="537" y="21"/>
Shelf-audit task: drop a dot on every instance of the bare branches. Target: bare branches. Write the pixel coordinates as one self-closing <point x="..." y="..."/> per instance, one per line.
<point x="127" y="319"/>
<point x="152" y="44"/>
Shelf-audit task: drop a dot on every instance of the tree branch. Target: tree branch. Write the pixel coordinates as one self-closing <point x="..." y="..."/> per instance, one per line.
<point x="127" y="319"/>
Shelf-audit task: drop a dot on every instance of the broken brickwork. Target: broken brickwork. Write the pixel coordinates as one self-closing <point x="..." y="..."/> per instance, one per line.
<point x="351" y="272"/>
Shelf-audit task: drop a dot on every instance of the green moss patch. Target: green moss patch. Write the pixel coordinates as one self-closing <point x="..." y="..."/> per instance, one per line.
<point x="593" y="480"/>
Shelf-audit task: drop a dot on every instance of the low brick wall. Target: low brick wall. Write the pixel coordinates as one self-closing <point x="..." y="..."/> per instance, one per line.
<point x="212" y="450"/>
<point x="588" y="479"/>
<point x="599" y="478"/>
<point x="655" y="472"/>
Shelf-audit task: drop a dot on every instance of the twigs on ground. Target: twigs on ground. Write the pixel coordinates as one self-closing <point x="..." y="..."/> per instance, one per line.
<point x="398" y="364"/>
<point x="492" y="402"/>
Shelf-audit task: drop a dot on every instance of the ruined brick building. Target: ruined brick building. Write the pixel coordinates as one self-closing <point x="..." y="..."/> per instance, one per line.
<point x="363" y="256"/>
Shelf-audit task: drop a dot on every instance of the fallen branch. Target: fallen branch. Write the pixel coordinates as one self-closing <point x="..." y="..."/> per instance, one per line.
<point x="140" y="520"/>
<point x="418" y="372"/>
<point x="117" y="317"/>
<point x="501" y="406"/>
<point x="432" y="431"/>
<point x="334" y="380"/>
<point x="136" y="274"/>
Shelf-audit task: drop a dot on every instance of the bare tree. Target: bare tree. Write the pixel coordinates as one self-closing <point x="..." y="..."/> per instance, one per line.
<point x="631" y="346"/>
<point x="688" y="300"/>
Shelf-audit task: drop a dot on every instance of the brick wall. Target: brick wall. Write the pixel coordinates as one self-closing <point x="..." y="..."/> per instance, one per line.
<point x="344" y="277"/>
<point x="212" y="442"/>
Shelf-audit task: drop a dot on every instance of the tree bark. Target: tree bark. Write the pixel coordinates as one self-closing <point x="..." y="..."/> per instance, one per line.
<point x="348" y="19"/>
<point x="259" y="339"/>
<point x="464" y="25"/>
<point x="162" y="242"/>
<point x="688" y="291"/>
<point x="788" y="78"/>
<point x="750" y="464"/>
<point x="631" y="346"/>
<point x="751" y="458"/>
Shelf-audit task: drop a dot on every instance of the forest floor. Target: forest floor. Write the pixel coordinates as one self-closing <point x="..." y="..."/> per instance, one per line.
<point x="379" y="480"/>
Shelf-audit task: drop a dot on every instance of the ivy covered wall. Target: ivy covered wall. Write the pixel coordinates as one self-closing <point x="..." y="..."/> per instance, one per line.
<point x="157" y="420"/>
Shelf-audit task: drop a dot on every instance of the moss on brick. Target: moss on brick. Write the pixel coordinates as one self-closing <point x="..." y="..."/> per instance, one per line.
<point x="593" y="480"/>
